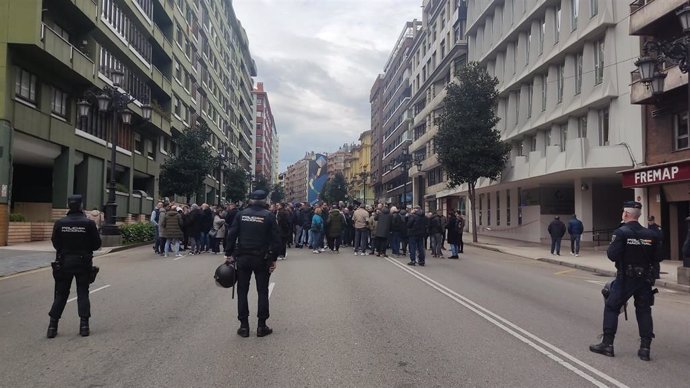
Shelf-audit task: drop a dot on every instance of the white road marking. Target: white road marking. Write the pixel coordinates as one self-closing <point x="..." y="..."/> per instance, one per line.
<point x="599" y="282"/>
<point x="181" y="257"/>
<point x="523" y="335"/>
<point x="90" y="292"/>
<point x="270" y="289"/>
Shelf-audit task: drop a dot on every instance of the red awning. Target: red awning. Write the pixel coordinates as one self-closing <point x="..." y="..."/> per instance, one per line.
<point x="657" y="174"/>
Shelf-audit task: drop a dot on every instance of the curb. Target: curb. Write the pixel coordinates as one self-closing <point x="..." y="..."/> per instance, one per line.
<point x="659" y="283"/>
<point x="125" y="247"/>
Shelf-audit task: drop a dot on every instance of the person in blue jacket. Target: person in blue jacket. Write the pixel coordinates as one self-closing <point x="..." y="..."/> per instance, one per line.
<point x="575" y="229"/>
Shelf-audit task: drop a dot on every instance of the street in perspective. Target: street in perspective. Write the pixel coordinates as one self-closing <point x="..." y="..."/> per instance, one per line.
<point x="344" y="193"/>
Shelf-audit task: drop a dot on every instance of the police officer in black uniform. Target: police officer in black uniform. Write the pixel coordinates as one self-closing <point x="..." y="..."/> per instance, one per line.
<point x="634" y="249"/>
<point x="253" y="242"/>
<point x="75" y="237"/>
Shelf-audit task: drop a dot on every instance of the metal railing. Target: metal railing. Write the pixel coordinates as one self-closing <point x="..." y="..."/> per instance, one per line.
<point x="638" y="4"/>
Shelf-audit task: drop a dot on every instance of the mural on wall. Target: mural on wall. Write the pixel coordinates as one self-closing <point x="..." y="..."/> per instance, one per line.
<point x="318" y="175"/>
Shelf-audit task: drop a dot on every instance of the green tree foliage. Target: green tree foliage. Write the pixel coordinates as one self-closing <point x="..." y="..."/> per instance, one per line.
<point x="277" y="194"/>
<point x="467" y="143"/>
<point x="184" y="172"/>
<point x="261" y="183"/>
<point x="337" y="189"/>
<point x="237" y="183"/>
<point x="325" y="190"/>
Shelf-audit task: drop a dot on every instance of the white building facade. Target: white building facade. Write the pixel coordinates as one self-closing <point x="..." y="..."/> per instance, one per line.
<point x="563" y="68"/>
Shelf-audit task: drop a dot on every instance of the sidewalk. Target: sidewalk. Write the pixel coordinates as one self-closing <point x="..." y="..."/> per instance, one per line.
<point x="590" y="259"/>
<point x="29" y="256"/>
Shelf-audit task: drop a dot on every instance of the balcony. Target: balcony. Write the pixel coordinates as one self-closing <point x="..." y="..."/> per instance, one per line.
<point x="642" y="94"/>
<point x="644" y="13"/>
<point x="66" y="53"/>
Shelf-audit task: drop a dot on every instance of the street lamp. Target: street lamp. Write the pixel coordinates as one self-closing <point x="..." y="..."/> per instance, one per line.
<point x="656" y="52"/>
<point x="221" y="164"/>
<point x="111" y="99"/>
<point x="364" y="175"/>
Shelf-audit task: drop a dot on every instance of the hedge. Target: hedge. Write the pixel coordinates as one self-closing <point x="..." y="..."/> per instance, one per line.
<point x="139" y="232"/>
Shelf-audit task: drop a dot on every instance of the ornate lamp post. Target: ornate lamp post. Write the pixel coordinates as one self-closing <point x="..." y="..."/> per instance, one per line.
<point x="221" y="165"/>
<point x="364" y="175"/>
<point x="418" y="161"/>
<point x="405" y="164"/>
<point x="111" y="99"/>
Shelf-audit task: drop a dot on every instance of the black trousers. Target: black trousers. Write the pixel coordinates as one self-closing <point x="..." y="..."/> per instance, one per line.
<point x="381" y="245"/>
<point x="63" y="283"/>
<point x="334" y="243"/>
<point x="461" y="245"/>
<point x="621" y="290"/>
<point x="246" y="265"/>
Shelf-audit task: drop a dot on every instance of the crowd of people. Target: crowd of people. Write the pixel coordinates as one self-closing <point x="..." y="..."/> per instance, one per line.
<point x="366" y="229"/>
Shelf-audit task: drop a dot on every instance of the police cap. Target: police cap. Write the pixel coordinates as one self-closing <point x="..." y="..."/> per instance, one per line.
<point x="258" y="195"/>
<point x="632" y="205"/>
<point x="75" y="199"/>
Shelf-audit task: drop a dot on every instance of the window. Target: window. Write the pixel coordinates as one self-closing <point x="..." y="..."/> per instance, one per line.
<point x="557" y="24"/>
<point x="519" y="205"/>
<point x="578" y="73"/>
<point x="533" y="143"/>
<point x="604" y="127"/>
<point x="527" y="46"/>
<point x="488" y="209"/>
<point x="547" y="140"/>
<point x="560" y="70"/>
<point x="520" y="149"/>
<point x="59" y="103"/>
<point x="138" y="143"/>
<point x="25" y="85"/>
<point x="598" y="62"/>
<point x="680" y="131"/>
<point x="564" y="136"/>
<point x="574" y="12"/>
<point x="593" y="7"/>
<point x="544" y="82"/>
<point x="508" y="207"/>
<point x="178" y="71"/>
<point x="530" y="92"/>
<point x="498" y="208"/>
<point x="542" y="32"/>
<point x="517" y="108"/>
<point x="582" y="127"/>
<point x="514" y="57"/>
<point x="177" y="108"/>
<point x="481" y="201"/>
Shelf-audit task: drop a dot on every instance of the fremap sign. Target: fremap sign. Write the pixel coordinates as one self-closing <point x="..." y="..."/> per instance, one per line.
<point x="659" y="174"/>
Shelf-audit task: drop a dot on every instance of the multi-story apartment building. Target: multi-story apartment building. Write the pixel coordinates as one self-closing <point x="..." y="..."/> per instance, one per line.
<point x="276" y="157"/>
<point x="376" y="163"/>
<point x="562" y="68"/>
<point x="336" y="160"/>
<point x="357" y="170"/>
<point x="665" y="116"/>
<point x="265" y="131"/>
<point x="188" y="59"/>
<point x="296" y="181"/>
<point x="438" y="51"/>
<point x="396" y="117"/>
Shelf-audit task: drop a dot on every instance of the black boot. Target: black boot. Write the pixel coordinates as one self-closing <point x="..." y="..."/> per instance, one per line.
<point x="605" y="347"/>
<point x="263" y="331"/>
<point x="243" y="331"/>
<point x="84" y="327"/>
<point x="643" y="353"/>
<point x="52" y="328"/>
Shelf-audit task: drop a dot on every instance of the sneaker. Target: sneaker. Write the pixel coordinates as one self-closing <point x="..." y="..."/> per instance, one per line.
<point x="577" y="255"/>
<point x="322" y="250"/>
<point x="421" y="264"/>
<point x="178" y="255"/>
<point x="572" y="254"/>
<point x="316" y="251"/>
<point x="411" y="263"/>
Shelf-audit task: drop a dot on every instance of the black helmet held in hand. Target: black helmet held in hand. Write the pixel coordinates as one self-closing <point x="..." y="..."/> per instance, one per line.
<point x="225" y="275"/>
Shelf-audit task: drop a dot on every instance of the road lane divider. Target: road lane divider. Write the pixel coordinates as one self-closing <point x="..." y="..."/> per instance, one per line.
<point x="556" y="354"/>
<point x="90" y="292"/>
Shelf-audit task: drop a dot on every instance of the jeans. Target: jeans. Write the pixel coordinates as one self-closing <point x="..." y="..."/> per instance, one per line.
<point x="63" y="282"/>
<point x="556" y="245"/>
<point x="298" y="234"/>
<point x="395" y="242"/>
<point x="436" y="242"/>
<point x="173" y="243"/>
<point x="454" y="249"/>
<point x="316" y="239"/>
<point x="621" y="290"/>
<point x="575" y="243"/>
<point x="306" y="237"/>
<point x="156" y="239"/>
<point x="417" y="249"/>
<point x="361" y="239"/>
<point x="205" y="242"/>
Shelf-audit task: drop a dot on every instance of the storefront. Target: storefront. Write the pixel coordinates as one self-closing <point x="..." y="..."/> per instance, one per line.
<point x="668" y="194"/>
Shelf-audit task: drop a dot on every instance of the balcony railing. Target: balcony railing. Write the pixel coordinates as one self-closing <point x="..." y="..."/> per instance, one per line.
<point x="638" y="4"/>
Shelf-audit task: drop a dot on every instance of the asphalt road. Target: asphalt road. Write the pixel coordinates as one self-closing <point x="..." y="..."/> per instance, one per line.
<point x="487" y="320"/>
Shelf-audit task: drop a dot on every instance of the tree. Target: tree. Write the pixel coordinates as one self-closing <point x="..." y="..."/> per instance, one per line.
<point x="277" y="194"/>
<point x="337" y="189"/>
<point x="236" y="189"/>
<point x="323" y="194"/>
<point x="467" y="143"/>
<point x="184" y="172"/>
<point x="261" y="183"/>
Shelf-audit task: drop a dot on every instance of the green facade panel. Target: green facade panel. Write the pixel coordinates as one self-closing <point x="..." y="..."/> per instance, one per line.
<point x="24" y="21"/>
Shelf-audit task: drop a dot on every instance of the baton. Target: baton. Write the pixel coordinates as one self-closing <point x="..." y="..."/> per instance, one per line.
<point x="234" y="266"/>
<point x="625" y="310"/>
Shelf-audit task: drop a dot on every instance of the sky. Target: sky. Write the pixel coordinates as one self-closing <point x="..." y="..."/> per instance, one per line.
<point x="318" y="60"/>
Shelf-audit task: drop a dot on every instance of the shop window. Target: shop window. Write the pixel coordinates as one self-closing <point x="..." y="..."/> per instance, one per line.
<point x="680" y="131"/>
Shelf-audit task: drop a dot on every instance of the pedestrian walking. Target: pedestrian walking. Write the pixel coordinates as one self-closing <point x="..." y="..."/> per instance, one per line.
<point x="285" y="228"/>
<point x="634" y="249"/>
<point x="453" y="235"/>
<point x="316" y="231"/>
<point x="416" y="231"/>
<point x="556" y="230"/>
<point x="217" y="232"/>
<point x="461" y="230"/>
<point x="253" y="243"/>
<point x="155" y="220"/>
<point x="575" y="230"/>
<point x="372" y="222"/>
<point x="436" y="233"/>
<point x="74" y="238"/>
<point x="360" y="220"/>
